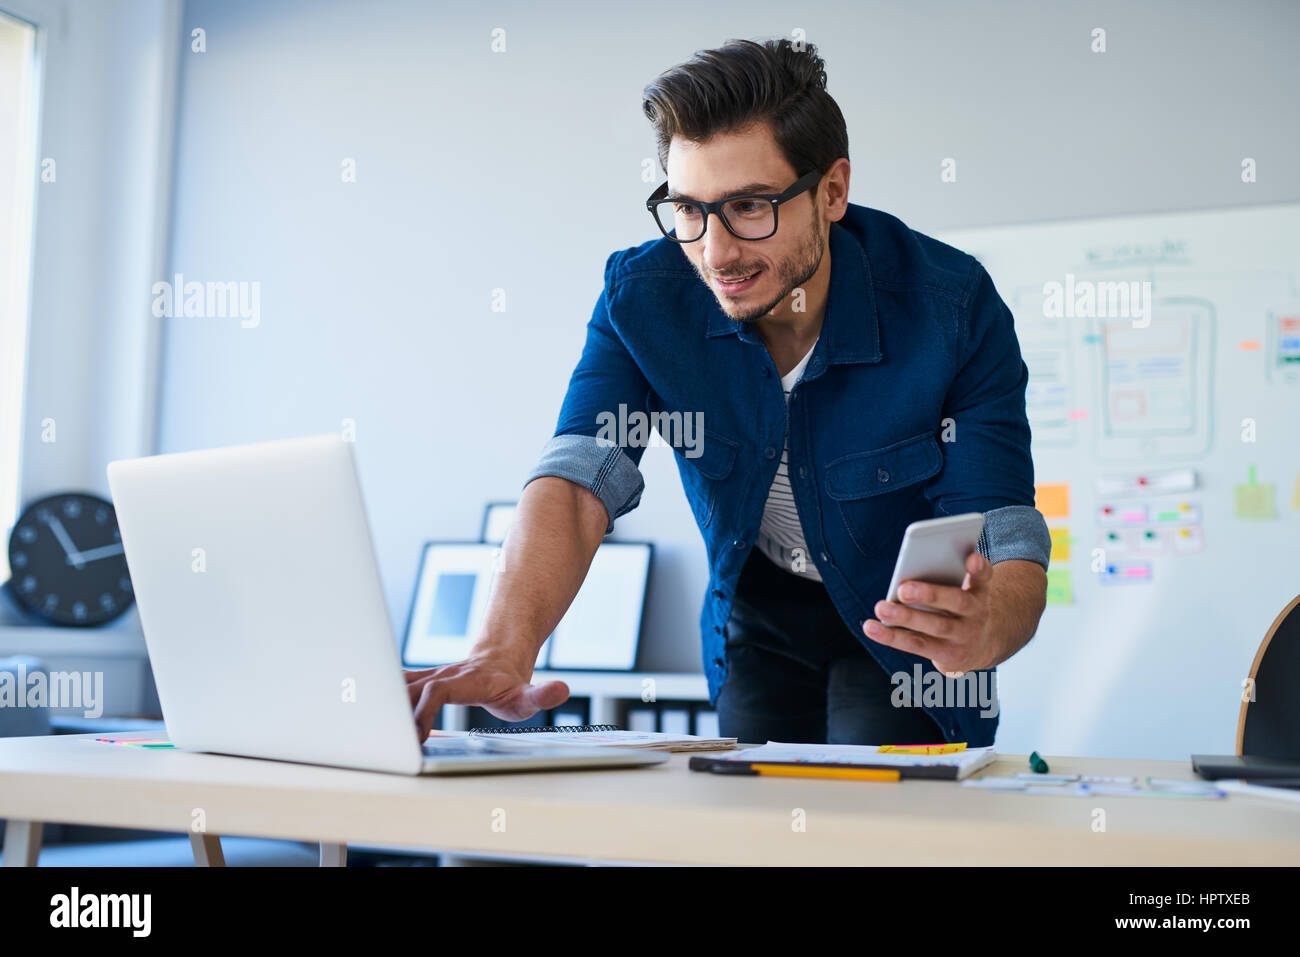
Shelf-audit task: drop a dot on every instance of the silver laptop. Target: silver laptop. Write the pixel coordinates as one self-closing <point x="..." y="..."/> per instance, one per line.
<point x="265" y="618"/>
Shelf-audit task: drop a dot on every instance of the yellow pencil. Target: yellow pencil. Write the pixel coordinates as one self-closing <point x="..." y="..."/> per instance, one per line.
<point x="810" y="771"/>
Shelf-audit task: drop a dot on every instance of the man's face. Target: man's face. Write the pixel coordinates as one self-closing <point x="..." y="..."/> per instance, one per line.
<point x="747" y="162"/>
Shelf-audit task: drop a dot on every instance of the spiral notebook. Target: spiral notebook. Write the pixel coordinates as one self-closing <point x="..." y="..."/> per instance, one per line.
<point x="611" y="736"/>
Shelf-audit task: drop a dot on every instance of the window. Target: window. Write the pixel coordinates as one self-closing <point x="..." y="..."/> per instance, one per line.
<point x="17" y="192"/>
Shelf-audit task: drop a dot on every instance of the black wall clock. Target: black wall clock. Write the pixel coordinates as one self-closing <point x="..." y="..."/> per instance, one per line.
<point x="66" y="560"/>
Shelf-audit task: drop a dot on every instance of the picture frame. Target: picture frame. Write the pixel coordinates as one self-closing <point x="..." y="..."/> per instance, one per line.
<point x="453" y="582"/>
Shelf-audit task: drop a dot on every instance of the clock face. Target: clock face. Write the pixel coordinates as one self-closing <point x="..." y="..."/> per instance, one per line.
<point x="67" y="563"/>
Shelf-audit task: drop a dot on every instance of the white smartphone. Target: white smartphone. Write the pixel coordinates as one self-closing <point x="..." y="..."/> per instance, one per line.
<point x="935" y="551"/>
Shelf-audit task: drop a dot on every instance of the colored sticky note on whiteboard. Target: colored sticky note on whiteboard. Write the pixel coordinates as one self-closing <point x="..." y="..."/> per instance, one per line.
<point x="1255" y="501"/>
<point x="1060" y="544"/>
<point x="1059" y="590"/>
<point x="1053" y="499"/>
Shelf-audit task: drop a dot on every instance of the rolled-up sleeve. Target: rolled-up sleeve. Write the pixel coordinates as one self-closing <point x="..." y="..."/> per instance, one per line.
<point x="1015" y="531"/>
<point x="606" y="384"/>
<point x="987" y="463"/>
<point x="606" y="472"/>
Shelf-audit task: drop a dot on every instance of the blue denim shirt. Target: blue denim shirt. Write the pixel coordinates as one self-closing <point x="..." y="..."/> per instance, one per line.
<point x="912" y="406"/>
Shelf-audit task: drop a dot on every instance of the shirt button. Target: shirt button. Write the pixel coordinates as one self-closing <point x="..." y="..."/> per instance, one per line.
<point x="803" y="472"/>
<point x="825" y="557"/>
<point x="882" y="476"/>
<point x="737" y="543"/>
<point x="770" y="452"/>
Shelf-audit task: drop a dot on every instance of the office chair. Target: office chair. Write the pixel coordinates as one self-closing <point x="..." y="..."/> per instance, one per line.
<point x="1269" y="724"/>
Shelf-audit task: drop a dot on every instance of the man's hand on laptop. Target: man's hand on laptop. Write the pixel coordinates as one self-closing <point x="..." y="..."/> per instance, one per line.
<point x="491" y="681"/>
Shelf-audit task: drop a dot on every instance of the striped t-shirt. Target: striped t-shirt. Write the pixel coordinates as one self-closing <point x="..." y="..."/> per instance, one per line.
<point x="780" y="537"/>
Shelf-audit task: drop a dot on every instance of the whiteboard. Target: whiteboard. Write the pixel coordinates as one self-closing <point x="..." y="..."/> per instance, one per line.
<point x="1164" y="399"/>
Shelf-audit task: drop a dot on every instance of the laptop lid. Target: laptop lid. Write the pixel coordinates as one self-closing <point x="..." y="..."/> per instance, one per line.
<point x="262" y="606"/>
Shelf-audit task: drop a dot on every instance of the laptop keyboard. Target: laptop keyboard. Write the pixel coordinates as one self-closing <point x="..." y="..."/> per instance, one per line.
<point x="468" y="747"/>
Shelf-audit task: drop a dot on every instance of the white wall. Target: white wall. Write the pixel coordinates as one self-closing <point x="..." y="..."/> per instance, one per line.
<point x="107" y="96"/>
<point x="18" y="124"/>
<point x="522" y="170"/>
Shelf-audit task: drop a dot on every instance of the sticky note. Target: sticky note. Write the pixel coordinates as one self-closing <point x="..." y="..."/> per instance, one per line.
<point x="1254" y="499"/>
<point x="1053" y="499"/>
<point x="950" y="748"/>
<point x="1060" y="544"/>
<point x="1295" y="496"/>
<point x="1059" y="591"/>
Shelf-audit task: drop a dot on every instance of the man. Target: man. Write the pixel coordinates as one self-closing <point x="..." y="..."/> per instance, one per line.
<point x="851" y="376"/>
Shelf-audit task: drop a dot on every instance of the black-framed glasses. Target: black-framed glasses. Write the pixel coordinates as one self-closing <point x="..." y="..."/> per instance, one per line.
<point x="750" y="216"/>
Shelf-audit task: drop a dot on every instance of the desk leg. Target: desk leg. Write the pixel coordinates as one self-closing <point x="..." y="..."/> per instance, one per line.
<point x="23" y="843"/>
<point x="333" y="855"/>
<point x="207" y="850"/>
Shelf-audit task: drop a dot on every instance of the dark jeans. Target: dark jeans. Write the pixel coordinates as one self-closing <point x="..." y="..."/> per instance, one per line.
<point x="796" y="673"/>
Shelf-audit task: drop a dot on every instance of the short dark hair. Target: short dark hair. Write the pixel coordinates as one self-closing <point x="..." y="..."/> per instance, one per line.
<point x="744" y="82"/>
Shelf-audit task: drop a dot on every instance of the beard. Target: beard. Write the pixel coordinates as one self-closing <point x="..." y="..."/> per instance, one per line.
<point x="791" y="273"/>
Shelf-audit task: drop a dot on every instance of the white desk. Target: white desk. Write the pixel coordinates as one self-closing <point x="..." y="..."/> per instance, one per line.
<point x="665" y="814"/>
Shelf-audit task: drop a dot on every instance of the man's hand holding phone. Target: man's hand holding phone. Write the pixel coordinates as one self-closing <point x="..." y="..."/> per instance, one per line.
<point x="956" y="637"/>
<point x="940" y="570"/>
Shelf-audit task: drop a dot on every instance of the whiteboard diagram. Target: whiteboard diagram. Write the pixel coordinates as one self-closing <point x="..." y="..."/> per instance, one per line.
<point x="1154" y="383"/>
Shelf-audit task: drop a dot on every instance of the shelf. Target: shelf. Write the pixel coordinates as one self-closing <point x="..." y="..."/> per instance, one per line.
<point x="608" y="692"/>
<point x="88" y="642"/>
<point x="668" y="686"/>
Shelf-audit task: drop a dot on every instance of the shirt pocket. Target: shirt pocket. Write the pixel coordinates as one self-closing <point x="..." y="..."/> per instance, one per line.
<point x="879" y="492"/>
<point x="705" y="472"/>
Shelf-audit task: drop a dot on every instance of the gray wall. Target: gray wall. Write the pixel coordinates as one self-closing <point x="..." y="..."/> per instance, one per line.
<point x="522" y="171"/>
